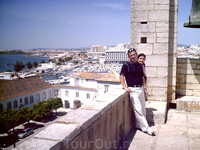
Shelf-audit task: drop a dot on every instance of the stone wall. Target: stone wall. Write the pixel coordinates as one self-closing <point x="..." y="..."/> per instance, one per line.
<point x="102" y="124"/>
<point x="188" y="77"/>
<point x="156" y="21"/>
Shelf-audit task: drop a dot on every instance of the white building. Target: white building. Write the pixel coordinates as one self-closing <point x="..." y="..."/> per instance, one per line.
<point x="116" y="56"/>
<point x="83" y="87"/>
<point x="6" y="75"/>
<point x="96" y="51"/>
<point x="44" y="66"/>
<point x="24" y="92"/>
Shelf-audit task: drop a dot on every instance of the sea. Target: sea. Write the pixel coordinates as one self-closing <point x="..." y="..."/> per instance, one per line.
<point x="7" y="61"/>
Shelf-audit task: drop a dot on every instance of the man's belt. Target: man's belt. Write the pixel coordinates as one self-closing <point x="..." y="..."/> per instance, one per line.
<point x="136" y="86"/>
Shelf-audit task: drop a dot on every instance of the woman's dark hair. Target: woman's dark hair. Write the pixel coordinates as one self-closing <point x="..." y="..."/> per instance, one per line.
<point x="142" y="54"/>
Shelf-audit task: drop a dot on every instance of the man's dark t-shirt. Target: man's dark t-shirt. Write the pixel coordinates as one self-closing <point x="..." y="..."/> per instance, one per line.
<point x="133" y="73"/>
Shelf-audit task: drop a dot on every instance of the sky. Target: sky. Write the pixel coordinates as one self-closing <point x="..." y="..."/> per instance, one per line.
<point x="28" y="24"/>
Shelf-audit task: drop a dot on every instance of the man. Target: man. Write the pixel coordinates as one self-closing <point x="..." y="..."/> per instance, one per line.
<point x="131" y="78"/>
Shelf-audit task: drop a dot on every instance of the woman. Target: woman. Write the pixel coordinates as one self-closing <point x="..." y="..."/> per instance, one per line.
<point x="141" y="60"/>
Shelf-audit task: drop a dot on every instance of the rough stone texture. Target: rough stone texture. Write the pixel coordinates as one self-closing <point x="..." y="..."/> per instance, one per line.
<point x="188" y="103"/>
<point x="156" y="112"/>
<point x="161" y="33"/>
<point x="181" y="132"/>
<point x="188" y="77"/>
<point x="100" y="124"/>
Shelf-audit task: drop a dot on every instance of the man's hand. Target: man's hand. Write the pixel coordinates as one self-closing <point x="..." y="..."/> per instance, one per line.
<point x="127" y="90"/>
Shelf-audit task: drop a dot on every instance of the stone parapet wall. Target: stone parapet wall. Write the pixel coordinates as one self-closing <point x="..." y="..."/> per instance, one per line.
<point x="101" y="124"/>
<point x="188" y="77"/>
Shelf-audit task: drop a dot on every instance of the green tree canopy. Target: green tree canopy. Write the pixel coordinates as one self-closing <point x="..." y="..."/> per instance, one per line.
<point x="35" y="64"/>
<point x="9" y="119"/>
<point x="19" y="66"/>
<point x="56" y="103"/>
<point x="26" y="113"/>
<point x="29" y="65"/>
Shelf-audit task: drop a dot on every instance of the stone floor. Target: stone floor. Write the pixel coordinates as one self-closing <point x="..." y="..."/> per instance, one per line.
<point x="181" y="132"/>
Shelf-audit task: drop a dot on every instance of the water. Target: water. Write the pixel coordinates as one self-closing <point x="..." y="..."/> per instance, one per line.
<point x="7" y="61"/>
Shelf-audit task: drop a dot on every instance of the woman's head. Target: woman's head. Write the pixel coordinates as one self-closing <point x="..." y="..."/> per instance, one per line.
<point x="141" y="58"/>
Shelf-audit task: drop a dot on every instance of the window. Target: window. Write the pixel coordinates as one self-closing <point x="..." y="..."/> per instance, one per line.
<point x="44" y="96"/>
<point x="143" y="22"/>
<point x="26" y="100"/>
<point x="88" y="96"/>
<point x="15" y="104"/>
<point x="31" y="99"/>
<point x="77" y="94"/>
<point x="20" y="100"/>
<point x="106" y="88"/>
<point x="9" y="105"/>
<point x="56" y="92"/>
<point x="49" y="94"/>
<point x="143" y="40"/>
<point x="38" y="97"/>
<point x="67" y="93"/>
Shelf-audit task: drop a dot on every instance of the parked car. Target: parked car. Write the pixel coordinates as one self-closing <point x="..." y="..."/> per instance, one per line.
<point x="25" y="132"/>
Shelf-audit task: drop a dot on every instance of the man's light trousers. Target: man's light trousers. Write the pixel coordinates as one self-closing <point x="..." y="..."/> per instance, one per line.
<point x="139" y="107"/>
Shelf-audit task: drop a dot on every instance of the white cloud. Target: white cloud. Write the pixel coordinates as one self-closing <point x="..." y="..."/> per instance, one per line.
<point x="110" y="5"/>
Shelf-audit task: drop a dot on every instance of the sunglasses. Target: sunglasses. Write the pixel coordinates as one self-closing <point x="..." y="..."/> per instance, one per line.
<point x="131" y="49"/>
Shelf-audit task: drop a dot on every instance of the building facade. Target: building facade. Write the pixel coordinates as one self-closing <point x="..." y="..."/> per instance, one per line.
<point x="116" y="56"/>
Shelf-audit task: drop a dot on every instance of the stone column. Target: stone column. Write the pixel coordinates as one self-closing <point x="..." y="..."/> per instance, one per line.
<point x="154" y="32"/>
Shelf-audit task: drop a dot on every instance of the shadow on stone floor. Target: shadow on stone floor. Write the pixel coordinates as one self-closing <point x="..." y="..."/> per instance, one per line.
<point x="125" y="143"/>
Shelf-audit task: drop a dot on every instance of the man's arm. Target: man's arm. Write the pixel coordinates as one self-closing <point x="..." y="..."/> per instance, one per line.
<point x="123" y="82"/>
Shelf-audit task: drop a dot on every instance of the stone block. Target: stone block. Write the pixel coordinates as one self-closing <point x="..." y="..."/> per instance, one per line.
<point x="180" y="79"/>
<point x="161" y="2"/>
<point x="159" y="91"/>
<point x="140" y="15"/>
<point x="160" y="48"/>
<point x="156" y="112"/>
<point x="159" y="16"/>
<point x="157" y="82"/>
<point x="38" y="144"/>
<point x="162" y="40"/>
<point x="188" y="103"/>
<point x="138" y="27"/>
<point x="162" y="72"/>
<point x="151" y="71"/>
<point x="157" y="60"/>
<point x="193" y="79"/>
<point x="147" y="49"/>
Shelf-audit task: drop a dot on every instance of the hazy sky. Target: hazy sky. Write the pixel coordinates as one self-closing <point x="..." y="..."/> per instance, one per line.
<point x="27" y="24"/>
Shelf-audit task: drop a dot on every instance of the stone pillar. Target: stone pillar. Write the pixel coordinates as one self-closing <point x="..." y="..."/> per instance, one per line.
<point x="154" y="32"/>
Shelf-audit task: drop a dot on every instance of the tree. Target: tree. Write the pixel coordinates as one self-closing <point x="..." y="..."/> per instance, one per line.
<point x="18" y="66"/>
<point x="42" y="61"/>
<point x="56" y="103"/>
<point x="26" y="113"/>
<point x="35" y="64"/>
<point x="41" y="109"/>
<point x="9" y="119"/>
<point x="29" y="65"/>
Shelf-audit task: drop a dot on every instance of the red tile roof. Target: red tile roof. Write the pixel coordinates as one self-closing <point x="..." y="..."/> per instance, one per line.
<point x="13" y="88"/>
<point x="87" y="75"/>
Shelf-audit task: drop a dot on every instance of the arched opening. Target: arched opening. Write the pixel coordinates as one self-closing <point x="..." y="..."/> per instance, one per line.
<point x="77" y="104"/>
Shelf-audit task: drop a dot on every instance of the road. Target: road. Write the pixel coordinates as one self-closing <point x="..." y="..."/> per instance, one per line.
<point x="38" y="126"/>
